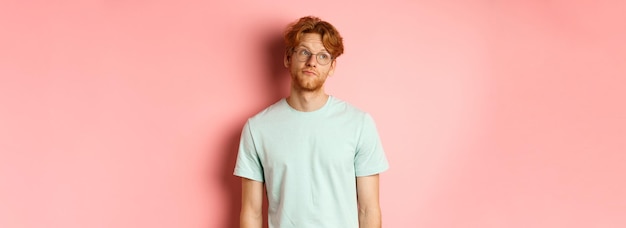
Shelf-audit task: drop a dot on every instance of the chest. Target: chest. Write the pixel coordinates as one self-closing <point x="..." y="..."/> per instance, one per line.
<point x="328" y="145"/>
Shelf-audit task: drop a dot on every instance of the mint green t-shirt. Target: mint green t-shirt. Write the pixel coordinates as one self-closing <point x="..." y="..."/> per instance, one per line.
<point x="309" y="162"/>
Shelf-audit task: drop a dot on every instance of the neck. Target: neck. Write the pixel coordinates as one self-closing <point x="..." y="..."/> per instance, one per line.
<point x="307" y="101"/>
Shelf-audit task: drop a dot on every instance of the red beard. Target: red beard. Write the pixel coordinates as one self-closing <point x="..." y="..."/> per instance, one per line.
<point x="308" y="83"/>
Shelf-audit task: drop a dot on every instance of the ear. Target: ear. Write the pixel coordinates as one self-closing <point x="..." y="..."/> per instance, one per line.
<point x="333" y="64"/>
<point x="286" y="60"/>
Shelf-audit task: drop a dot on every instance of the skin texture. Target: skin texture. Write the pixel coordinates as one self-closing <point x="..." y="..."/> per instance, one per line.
<point x="368" y="200"/>
<point x="307" y="94"/>
<point x="308" y="77"/>
<point x="251" y="215"/>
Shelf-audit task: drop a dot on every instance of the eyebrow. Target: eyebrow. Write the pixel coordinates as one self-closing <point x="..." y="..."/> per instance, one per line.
<point x="323" y="50"/>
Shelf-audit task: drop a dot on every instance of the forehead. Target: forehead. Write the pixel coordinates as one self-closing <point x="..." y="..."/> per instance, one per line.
<point x="312" y="41"/>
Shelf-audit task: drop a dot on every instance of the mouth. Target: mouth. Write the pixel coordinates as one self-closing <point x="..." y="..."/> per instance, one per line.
<point x="309" y="72"/>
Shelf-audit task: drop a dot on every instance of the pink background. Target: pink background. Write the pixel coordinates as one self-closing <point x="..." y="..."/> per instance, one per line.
<point x="492" y="113"/>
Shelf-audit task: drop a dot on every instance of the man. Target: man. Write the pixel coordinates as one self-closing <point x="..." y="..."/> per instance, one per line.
<point x="318" y="156"/>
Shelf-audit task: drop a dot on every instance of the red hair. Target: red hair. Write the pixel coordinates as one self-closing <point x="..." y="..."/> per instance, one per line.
<point x="333" y="42"/>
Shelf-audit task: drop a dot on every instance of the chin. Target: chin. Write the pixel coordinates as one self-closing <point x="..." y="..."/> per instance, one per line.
<point x="307" y="83"/>
<point x="309" y="87"/>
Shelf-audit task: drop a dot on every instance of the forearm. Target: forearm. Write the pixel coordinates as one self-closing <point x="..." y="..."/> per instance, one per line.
<point x="250" y="220"/>
<point x="370" y="218"/>
<point x="251" y="204"/>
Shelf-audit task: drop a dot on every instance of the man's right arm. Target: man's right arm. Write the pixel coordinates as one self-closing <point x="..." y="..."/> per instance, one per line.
<point x="251" y="204"/>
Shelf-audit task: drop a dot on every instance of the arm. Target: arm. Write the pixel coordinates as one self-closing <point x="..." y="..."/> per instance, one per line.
<point x="251" y="204"/>
<point x="367" y="197"/>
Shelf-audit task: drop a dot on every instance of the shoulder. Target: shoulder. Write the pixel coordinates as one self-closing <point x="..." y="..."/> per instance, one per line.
<point x="340" y="106"/>
<point x="269" y="114"/>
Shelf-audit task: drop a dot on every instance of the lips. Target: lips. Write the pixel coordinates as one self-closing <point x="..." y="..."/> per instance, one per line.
<point x="309" y="72"/>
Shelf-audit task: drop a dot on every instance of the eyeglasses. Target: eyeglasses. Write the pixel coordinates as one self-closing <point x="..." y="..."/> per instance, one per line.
<point x="303" y="55"/>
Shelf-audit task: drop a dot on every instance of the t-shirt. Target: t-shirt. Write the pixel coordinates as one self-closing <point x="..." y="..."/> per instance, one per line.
<point x="309" y="162"/>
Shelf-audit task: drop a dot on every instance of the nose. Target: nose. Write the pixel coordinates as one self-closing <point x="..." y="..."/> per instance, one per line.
<point x="312" y="61"/>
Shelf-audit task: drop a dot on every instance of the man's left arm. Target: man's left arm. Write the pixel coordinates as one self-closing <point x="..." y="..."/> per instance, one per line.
<point x="367" y="197"/>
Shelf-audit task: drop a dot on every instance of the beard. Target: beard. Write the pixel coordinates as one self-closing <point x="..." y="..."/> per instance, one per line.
<point x="307" y="83"/>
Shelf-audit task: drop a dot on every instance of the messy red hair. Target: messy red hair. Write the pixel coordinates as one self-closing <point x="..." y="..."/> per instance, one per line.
<point x="333" y="42"/>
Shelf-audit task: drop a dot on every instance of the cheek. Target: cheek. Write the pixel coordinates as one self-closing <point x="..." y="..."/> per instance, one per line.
<point x="293" y="69"/>
<point x="327" y="71"/>
<point x="295" y="66"/>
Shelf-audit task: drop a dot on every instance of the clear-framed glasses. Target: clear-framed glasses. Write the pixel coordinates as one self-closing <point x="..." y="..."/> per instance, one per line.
<point x="303" y="55"/>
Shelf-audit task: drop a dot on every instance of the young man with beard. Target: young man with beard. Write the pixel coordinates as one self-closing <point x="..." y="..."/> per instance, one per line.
<point x="318" y="156"/>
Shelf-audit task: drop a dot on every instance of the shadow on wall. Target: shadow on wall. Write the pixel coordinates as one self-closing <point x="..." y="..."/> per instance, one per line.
<point x="277" y="75"/>
<point x="277" y="88"/>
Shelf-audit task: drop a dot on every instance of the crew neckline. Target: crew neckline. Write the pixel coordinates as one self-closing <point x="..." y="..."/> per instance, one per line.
<point x="319" y="110"/>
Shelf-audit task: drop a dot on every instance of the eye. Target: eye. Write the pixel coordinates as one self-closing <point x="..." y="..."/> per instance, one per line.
<point x="304" y="53"/>
<point x="324" y="56"/>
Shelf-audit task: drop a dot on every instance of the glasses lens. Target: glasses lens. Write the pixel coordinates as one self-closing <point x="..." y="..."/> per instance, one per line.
<point x="303" y="55"/>
<point x="322" y="58"/>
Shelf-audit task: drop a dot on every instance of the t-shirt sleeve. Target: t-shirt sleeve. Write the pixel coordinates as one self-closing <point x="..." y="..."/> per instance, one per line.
<point x="370" y="157"/>
<point x="248" y="162"/>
